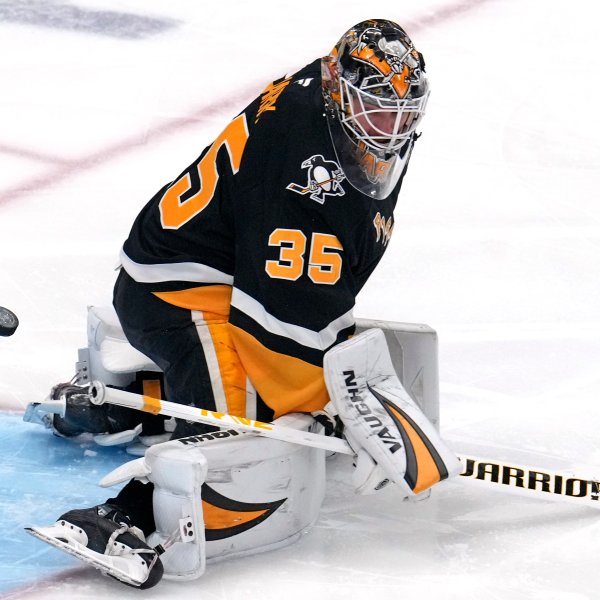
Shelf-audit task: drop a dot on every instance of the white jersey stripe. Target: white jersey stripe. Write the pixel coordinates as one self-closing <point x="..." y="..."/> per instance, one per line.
<point x="186" y="271"/>
<point x="250" y="400"/>
<point x="319" y="340"/>
<point x="212" y="361"/>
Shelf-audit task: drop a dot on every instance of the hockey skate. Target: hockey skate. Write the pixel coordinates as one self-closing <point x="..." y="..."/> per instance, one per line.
<point x="104" y="537"/>
<point x="69" y="412"/>
<point x="109" y="358"/>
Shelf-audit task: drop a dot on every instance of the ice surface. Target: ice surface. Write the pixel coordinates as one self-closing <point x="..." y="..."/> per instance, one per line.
<point x="496" y="246"/>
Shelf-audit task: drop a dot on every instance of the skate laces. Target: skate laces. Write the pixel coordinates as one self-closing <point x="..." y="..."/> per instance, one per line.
<point x="70" y="389"/>
<point x="114" y="548"/>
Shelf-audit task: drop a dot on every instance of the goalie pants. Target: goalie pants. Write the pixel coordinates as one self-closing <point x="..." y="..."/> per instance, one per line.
<point x="169" y="336"/>
<point x="192" y="350"/>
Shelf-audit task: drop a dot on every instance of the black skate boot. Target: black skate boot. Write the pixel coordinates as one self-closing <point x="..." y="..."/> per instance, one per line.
<point x="104" y="537"/>
<point x="80" y="415"/>
<point x="69" y="411"/>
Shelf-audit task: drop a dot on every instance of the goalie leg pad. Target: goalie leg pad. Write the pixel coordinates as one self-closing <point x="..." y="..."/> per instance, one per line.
<point x="178" y="474"/>
<point x="237" y="494"/>
<point x="382" y="420"/>
<point x="260" y="493"/>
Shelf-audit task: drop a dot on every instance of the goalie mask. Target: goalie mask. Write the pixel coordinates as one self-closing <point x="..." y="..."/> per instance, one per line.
<point x="375" y="94"/>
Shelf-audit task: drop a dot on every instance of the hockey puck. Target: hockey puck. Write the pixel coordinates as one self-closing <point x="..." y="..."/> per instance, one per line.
<point x="8" y="322"/>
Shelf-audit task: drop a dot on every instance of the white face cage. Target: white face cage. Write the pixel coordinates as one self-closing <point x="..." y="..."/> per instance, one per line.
<point x="382" y="123"/>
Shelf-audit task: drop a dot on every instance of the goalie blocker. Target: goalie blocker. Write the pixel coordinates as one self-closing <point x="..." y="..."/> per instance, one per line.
<point x="393" y="440"/>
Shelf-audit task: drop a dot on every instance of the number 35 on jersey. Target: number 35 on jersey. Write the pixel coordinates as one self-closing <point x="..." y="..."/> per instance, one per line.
<point x="174" y="213"/>
<point x="324" y="258"/>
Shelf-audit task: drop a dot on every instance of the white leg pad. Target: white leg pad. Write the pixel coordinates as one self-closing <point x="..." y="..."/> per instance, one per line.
<point x="237" y="494"/>
<point x="178" y="474"/>
<point x="392" y="437"/>
<point x="259" y="493"/>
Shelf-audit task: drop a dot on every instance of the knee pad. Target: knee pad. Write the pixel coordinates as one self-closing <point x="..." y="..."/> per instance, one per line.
<point x="109" y="357"/>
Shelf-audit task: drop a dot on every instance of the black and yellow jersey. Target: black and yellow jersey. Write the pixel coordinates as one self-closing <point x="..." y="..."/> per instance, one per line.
<point x="263" y="230"/>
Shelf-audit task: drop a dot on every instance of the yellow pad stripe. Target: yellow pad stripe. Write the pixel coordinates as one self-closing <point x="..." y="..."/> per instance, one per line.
<point x="428" y="473"/>
<point x="216" y="517"/>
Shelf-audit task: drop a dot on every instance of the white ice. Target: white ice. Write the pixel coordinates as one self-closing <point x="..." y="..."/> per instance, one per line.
<point x="496" y="245"/>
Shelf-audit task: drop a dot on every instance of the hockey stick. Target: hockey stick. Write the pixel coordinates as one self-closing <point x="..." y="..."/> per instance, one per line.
<point x="99" y="394"/>
<point x="295" y="187"/>
<point x="540" y="483"/>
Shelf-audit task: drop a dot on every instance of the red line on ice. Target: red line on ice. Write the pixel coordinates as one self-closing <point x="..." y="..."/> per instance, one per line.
<point x="66" y="168"/>
<point x="433" y="18"/>
<point x="51" y="581"/>
<point x="31" y="154"/>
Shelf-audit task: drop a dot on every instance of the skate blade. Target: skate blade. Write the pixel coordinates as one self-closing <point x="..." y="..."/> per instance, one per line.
<point x="120" y="438"/>
<point x="102" y="562"/>
<point x="33" y="414"/>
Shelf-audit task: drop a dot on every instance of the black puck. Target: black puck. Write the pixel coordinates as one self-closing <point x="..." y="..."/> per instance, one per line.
<point x="8" y="322"/>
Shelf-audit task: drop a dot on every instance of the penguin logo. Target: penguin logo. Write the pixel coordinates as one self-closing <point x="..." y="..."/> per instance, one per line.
<point x="324" y="179"/>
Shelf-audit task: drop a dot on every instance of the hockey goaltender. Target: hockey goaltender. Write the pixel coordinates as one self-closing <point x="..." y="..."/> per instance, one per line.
<point x="238" y="282"/>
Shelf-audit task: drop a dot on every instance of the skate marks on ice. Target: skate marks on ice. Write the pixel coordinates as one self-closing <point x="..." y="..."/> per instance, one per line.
<point x="464" y="542"/>
<point x="42" y="476"/>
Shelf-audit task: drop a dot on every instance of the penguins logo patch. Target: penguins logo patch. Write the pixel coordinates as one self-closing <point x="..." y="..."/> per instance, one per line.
<point x="324" y="178"/>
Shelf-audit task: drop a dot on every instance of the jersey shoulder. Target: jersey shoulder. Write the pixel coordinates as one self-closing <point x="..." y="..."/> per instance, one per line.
<point x="288" y="99"/>
<point x="285" y="119"/>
